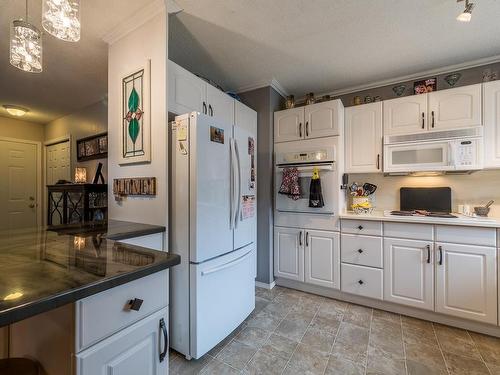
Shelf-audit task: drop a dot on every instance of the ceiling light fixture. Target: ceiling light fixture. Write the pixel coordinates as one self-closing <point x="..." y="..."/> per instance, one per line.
<point x="15" y="110"/>
<point x="466" y="15"/>
<point x="25" y="45"/>
<point x="61" y="18"/>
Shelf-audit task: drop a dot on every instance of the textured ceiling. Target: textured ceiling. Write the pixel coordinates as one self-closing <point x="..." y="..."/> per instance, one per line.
<point x="75" y="74"/>
<point x="327" y="45"/>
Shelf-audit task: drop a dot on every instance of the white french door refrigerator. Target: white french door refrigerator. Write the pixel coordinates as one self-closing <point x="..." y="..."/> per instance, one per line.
<point x="213" y="229"/>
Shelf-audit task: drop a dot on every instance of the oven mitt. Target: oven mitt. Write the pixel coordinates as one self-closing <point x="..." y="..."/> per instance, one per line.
<point x="315" y="195"/>
<point x="290" y="184"/>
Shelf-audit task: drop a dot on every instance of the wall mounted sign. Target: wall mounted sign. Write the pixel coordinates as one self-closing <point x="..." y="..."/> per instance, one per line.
<point x="134" y="186"/>
<point x="136" y="116"/>
<point x="93" y="147"/>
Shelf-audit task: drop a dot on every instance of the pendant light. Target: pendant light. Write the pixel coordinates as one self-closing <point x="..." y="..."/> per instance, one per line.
<point x="61" y="18"/>
<point x="25" y="45"/>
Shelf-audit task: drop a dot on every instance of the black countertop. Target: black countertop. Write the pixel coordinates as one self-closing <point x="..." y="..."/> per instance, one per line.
<point x="43" y="268"/>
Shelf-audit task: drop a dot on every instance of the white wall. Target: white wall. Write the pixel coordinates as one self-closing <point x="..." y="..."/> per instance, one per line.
<point x="148" y="41"/>
<point x="14" y="128"/>
<point x="475" y="189"/>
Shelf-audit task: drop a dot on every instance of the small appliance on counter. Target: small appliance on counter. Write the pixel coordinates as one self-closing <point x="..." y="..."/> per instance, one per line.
<point x="362" y="197"/>
<point x="431" y="202"/>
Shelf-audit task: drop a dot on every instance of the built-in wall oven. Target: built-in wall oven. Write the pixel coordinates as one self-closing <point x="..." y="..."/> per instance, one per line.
<point x="305" y="156"/>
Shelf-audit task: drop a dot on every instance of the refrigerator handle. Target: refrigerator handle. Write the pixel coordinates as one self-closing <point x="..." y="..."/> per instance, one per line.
<point x="231" y="188"/>
<point x="238" y="201"/>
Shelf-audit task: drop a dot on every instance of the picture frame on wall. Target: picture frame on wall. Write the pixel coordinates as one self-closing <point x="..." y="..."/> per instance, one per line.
<point x="92" y="147"/>
<point x="425" y="86"/>
<point x="136" y="116"/>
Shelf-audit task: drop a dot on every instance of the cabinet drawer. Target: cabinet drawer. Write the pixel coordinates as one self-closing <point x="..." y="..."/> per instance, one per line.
<point x="361" y="250"/>
<point x="410" y="231"/>
<point x="105" y="313"/>
<point x="364" y="281"/>
<point x="367" y="227"/>
<point x="466" y="235"/>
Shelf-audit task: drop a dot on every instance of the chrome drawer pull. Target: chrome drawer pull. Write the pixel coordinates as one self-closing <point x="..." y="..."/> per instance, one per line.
<point x="135" y="304"/>
<point x="360" y="227"/>
<point x="361" y="282"/>
<point x="360" y="251"/>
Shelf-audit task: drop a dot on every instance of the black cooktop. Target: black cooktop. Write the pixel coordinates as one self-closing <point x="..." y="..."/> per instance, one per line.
<point x="423" y="213"/>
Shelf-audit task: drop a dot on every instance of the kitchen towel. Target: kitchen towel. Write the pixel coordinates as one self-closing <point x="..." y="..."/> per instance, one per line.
<point x="290" y="183"/>
<point x="315" y="194"/>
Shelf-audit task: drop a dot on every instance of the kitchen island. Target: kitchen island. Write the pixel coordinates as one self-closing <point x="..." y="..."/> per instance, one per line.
<point x="74" y="297"/>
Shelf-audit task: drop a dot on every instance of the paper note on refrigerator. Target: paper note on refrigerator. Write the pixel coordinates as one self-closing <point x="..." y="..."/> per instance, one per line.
<point x="247" y="207"/>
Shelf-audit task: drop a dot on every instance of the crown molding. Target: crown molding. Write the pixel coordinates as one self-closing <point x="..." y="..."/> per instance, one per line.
<point x="273" y="82"/>
<point x="140" y="18"/>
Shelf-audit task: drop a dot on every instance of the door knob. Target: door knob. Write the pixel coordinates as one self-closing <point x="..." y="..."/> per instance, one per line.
<point x="32" y="205"/>
<point x="32" y="198"/>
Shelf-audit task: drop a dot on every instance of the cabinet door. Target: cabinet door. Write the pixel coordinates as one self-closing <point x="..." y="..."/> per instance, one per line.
<point x="491" y="97"/>
<point x="186" y="92"/>
<point x="405" y="115"/>
<point x="322" y="258"/>
<point x="409" y="273"/>
<point x="289" y="253"/>
<point x="289" y="125"/>
<point x="455" y="108"/>
<point x="322" y="119"/>
<point x="135" y="350"/>
<point x="466" y="281"/>
<point x="220" y="105"/>
<point x="363" y="138"/>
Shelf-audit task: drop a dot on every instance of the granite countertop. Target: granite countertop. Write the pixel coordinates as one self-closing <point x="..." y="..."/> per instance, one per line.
<point x="460" y="220"/>
<point x="41" y="269"/>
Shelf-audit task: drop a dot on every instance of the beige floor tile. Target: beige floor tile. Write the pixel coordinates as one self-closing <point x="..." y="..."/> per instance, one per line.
<point x="301" y="316"/>
<point x="265" y="320"/>
<point x="428" y="355"/>
<point x="387" y="339"/>
<point x="380" y="363"/>
<point x="460" y="365"/>
<point x="252" y="336"/>
<point x="386" y="315"/>
<point x="358" y="315"/>
<point x="420" y="368"/>
<point x="318" y="340"/>
<point x="341" y="366"/>
<point x="278" y="309"/>
<point x="237" y="354"/>
<point x="216" y="367"/>
<point x="419" y="333"/>
<point x="292" y="369"/>
<point x="326" y="322"/>
<point x="293" y="330"/>
<point x="309" y="359"/>
<point x="494" y="369"/>
<point x="265" y="364"/>
<point x="351" y="342"/>
<point x="279" y="346"/>
<point x="181" y="366"/>
<point x="456" y="340"/>
<point x="488" y="346"/>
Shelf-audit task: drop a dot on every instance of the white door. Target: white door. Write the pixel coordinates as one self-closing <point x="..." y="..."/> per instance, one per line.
<point x="289" y="253"/>
<point x="210" y="181"/>
<point x="18" y="185"/>
<point x="58" y="162"/>
<point x="455" y="108"/>
<point x="245" y="137"/>
<point x="322" y="258"/>
<point x="289" y="125"/>
<point x="409" y="273"/>
<point x="135" y="350"/>
<point x="405" y="115"/>
<point x="363" y="138"/>
<point x="186" y="92"/>
<point x="466" y="281"/>
<point x="491" y="98"/>
<point x="220" y="105"/>
<point x="322" y="119"/>
<point x="222" y="295"/>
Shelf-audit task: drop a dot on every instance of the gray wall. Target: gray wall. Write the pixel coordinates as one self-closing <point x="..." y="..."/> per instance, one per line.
<point x="265" y="101"/>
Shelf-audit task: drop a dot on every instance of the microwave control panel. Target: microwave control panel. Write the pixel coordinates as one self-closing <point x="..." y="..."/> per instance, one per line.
<point x="466" y="153"/>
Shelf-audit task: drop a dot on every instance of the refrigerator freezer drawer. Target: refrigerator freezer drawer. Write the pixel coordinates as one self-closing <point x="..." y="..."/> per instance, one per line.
<point x="222" y="297"/>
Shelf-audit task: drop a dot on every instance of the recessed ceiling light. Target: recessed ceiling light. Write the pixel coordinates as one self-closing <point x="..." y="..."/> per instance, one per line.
<point x="15" y="110"/>
<point x="466" y="15"/>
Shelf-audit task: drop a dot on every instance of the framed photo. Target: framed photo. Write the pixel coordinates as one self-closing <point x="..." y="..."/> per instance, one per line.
<point x="136" y="116"/>
<point x="103" y="144"/>
<point x="425" y="86"/>
<point x="92" y="147"/>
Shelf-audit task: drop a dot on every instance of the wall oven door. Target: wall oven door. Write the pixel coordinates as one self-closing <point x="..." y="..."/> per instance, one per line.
<point x="328" y="185"/>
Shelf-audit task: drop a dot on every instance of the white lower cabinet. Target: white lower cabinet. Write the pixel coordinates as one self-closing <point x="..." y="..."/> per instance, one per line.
<point x="409" y="272"/>
<point x="363" y="281"/>
<point x="289" y="253"/>
<point x="139" y="349"/>
<point x="466" y="281"/>
<point x="322" y="258"/>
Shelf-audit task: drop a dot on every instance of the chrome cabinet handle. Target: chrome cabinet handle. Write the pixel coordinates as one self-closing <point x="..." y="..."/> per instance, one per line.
<point x="307" y="128"/>
<point x="300" y="238"/>
<point x="307" y="238"/>
<point x="440" y="248"/>
<point x="204" y="108"/>
<point x="163" y="329"/>
<point x="210" y="110"/>
<point x="432" y="114"/>
<point x="423" y="120"/>
<point x="378" y="161"/>
<point x="428" y="253"/>
<point x="300" y="129"/>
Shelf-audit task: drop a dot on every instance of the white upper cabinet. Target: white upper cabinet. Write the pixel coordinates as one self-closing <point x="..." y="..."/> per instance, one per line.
<point x="245" y="117"/>
<point x="455" y="108"/>
<point x="405" y="115"/>
<point x="363" y="138"/>
<point x="186" y="92"/>
<point x="491" y="98"/>
<point x="322" y="258"/>
<point x="220" y="105"/>
<point x="322" y="119"/>
<point x="289" y="125"/>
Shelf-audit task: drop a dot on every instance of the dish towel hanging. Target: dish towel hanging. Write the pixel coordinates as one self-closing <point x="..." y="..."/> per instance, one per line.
<point x="315" y="194"/>
<point x="290" y="184"/>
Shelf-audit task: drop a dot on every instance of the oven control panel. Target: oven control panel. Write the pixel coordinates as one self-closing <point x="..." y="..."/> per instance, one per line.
<point x="305" y="157"/>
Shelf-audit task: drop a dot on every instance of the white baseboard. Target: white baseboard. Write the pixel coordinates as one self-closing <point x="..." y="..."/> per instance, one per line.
<point x="264" y="285"/>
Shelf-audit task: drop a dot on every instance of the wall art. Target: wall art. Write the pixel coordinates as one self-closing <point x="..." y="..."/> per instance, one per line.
<point x="134" y="186"/>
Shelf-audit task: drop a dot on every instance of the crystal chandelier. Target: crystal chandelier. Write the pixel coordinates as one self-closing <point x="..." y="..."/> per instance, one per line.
<point x="61" y="18"/>
<point x="25" y="45"/>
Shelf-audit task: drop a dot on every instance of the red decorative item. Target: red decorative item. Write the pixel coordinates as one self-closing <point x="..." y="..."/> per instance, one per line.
<point x="290" y="184"/>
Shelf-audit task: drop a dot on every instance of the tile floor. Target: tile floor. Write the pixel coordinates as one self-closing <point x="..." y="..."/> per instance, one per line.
<point x="292" y="332"/>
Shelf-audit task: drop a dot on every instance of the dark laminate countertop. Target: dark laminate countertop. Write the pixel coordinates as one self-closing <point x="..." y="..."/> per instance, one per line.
<point x="43" y="269"/>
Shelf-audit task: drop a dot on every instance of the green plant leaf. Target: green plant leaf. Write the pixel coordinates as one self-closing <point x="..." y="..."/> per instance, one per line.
<point x="133" y="100"/>
<point x="133" y="129"/>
